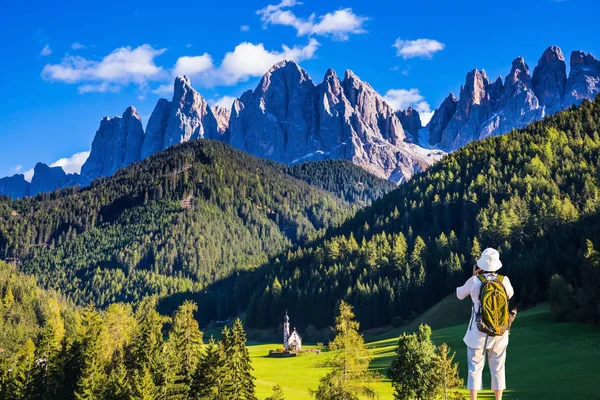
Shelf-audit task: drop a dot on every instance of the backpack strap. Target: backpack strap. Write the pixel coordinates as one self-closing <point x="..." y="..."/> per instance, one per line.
<point x="500" y="278"/>
<point x="481" y="278"/>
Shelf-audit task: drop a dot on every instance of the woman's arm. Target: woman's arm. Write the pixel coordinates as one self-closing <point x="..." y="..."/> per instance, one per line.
<point x="508" y="286"/>
<point x="464" y="291"/>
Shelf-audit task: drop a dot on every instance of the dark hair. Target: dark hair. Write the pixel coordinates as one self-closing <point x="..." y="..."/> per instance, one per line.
<point x="478" y="271"/>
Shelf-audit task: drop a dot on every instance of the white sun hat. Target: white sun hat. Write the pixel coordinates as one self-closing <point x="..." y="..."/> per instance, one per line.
<point x="489" y="260"/>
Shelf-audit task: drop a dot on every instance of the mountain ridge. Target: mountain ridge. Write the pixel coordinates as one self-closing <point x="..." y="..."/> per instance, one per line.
<point x="290" y="119"/>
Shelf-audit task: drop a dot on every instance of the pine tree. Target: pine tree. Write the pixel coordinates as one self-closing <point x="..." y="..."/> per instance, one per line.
<point x="118" y="386"/>
<point x="239" y="381"/>
<point x="277" y="394"/>
<point x="350" y="377"/>
<point x="89" y="353"/>
<point x="146" y="351"/>
<point x="143" y="387"/>
<point x="210" y="372"/>
<point x="183" y="351"/>
<point x="447" y="373"/>
<point x="413" y="372"/>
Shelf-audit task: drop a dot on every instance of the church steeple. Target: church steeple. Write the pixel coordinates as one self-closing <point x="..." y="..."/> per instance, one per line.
<point x="286" y="330"/>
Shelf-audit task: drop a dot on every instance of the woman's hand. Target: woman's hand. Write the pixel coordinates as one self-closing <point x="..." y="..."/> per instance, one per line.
<point x="476" y="270"/>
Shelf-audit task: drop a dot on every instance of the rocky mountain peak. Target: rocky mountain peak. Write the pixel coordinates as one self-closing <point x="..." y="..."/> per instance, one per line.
<point x="182" y="81"/>
<point x="14" y="186"/>
<point x="518" y="72"/>
<point x="118" y="142"/>
<point x="442" y="115"/>
<point x="410" y="120"/>
<point x="549" y="79"/>
<point x="584" y="78"/>
<point x="475" y="88"/>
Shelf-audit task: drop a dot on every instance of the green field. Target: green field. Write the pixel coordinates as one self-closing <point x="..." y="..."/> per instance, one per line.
<point x="546" y="360"/>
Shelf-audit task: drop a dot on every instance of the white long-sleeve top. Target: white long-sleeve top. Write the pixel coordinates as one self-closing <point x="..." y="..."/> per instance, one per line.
<point x="474" y="338"/>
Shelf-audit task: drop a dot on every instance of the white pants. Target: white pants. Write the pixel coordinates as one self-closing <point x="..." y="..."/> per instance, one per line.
<point x="496" y="362"/>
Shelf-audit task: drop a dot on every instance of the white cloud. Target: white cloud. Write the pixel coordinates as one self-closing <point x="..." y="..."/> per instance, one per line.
<point x="72" y="165"/>
<point x="121" y="67"/>
<point x="164" y="90"/>
<point x="244" y="28"/>
<point x="28" y="175"/>
<point x="193" y="65"/>
<point x="188" y="45"/>
<point x="338" y="24"/>
<point x="99" y="88"/>
<point x="245" y="61"/>
<point x="18" y="168"/>
<point x="46" y="51"/>
<point x="400" y="99"/>
<point x="424" y="48"/>
<point x="253" y="60"/>
<point x="77" y="46"/>
<point x="225" y="101"/>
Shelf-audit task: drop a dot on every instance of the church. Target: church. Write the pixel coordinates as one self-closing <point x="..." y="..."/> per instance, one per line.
<point x="291" y="342"/>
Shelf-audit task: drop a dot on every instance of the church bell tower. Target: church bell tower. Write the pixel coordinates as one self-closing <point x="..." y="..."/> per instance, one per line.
<point x="286" y="330"/>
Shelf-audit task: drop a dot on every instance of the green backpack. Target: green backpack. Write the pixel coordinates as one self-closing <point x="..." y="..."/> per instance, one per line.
<point x="493" y="315"/>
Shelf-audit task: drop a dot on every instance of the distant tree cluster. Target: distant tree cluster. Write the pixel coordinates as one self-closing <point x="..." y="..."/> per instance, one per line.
<point x="52" y="350"/>
<point x="349" y="181"/>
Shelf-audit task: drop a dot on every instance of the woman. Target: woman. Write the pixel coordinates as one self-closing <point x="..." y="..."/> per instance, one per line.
<point x="478" y="342"/>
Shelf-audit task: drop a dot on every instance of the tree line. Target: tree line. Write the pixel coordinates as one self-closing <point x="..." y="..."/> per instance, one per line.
<point x="50" y="349"/>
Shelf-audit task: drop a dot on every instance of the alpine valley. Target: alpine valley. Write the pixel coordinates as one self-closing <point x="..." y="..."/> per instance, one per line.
<point x="320" y="204"/>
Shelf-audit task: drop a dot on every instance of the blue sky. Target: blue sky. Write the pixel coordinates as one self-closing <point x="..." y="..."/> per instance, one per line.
<point x="67" y="65"/>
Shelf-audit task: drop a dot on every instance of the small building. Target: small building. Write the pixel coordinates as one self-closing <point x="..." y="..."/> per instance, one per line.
<point x="291" y="342"/>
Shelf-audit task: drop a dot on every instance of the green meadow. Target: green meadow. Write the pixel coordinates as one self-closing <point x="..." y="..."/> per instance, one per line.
<point x="546" y="360"/>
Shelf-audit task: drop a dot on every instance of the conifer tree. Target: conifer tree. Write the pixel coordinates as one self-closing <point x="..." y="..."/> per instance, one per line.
<point x="239" y="381"/>
<point x="143" y="386"/>
<point x="413" y="372"/>
<point x="210" y="372"/>
<point x="447" y="373"/>
<point x="183" y="351"/>
<point x="350" y="377"/>
<point x="277" y="394"/>
<point x="89" y="353"/>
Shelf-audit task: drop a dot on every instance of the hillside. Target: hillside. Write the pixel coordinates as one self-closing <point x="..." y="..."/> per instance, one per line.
<point x="546" y="359"/>
<point x="175" y="222"/>
<point x="532" y="193"/>
<point x="346" y="180"/>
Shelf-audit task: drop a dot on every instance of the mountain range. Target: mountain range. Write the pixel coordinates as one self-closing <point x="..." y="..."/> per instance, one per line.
<point x="290" y="119"/>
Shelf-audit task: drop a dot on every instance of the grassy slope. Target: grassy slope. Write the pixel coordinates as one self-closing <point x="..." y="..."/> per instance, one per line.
<point x="546" y="360"/>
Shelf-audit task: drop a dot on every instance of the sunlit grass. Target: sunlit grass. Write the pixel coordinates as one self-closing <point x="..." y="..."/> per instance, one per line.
<point x="546" y="360"/>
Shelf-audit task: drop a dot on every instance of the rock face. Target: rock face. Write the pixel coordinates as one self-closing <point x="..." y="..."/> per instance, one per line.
<point x="118" y="143"/>
<point x="584" y="79"/>
<point x="222" y="116"/>
<point x="14" y="186"/>
<point x="441" y="116"/>
<point x="486" y="109"/>
<point x="549" y="79"/>
<point x="156" y="128"/>
<point x="48" y="179"/>
<point x="289" y="119"/>
<point x="410" y="120"/>
<point x="190" y="116"/>
<point x="186" y="117"/>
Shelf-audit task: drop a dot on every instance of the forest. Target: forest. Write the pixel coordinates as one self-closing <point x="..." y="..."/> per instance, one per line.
<point x="176" y="222"/>
<point x="533" y="194"/>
